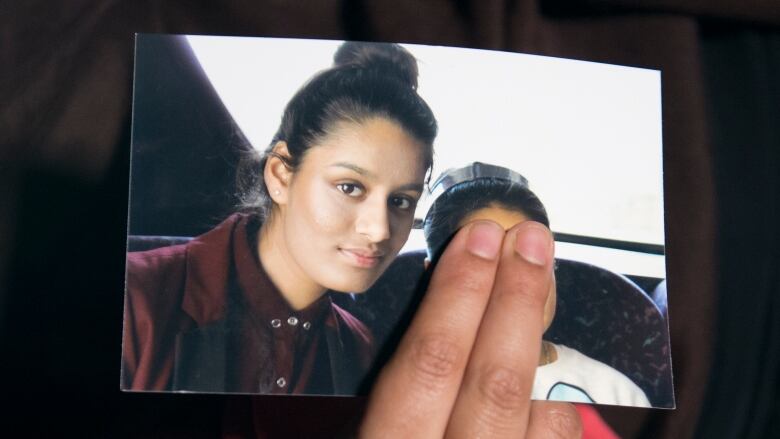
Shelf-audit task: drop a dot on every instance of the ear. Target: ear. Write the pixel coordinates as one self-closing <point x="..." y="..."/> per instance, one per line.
<point x="277" y="174"/>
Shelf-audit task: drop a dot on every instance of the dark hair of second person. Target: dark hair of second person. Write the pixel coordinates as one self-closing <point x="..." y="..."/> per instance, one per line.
<point x="457" y="202"/>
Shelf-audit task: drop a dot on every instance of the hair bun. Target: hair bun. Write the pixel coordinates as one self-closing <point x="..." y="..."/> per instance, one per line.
<point x="388" y="59"/>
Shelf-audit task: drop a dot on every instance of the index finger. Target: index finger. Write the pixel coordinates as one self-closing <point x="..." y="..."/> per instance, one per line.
<point x="417" y="389"/>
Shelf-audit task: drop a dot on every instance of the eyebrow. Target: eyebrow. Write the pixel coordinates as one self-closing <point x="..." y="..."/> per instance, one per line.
<point x="354" y="167"/>
<point x="417" y="187"/>
<point x="368" y="174"/>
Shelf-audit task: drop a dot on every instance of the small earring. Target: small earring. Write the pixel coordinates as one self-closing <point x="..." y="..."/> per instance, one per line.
<point x="277" y="192"/>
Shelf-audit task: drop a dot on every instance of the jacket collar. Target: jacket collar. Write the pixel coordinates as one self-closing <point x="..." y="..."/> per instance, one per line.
<point x="228" y="252"/>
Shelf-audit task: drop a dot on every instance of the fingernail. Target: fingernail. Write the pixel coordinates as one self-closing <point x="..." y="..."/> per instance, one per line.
<point x="485" y="239"/>
<point x="534" y="243"/>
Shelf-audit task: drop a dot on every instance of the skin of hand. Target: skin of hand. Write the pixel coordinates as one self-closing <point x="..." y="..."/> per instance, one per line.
<point x="466" y="365"/>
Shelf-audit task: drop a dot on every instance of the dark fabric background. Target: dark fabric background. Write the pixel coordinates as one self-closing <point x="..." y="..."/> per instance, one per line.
<point x="65" y="84"/>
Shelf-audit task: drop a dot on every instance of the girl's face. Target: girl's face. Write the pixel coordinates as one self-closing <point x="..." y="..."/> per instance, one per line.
<point x="349" y="207"/>
<point x="507" y="218"/>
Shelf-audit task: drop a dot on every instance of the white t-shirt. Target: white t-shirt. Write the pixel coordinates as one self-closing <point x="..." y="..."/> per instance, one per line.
<point x="575" y="377"/>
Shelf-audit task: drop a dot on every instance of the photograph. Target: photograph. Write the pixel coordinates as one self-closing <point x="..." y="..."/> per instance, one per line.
<point x="290" y="200"/>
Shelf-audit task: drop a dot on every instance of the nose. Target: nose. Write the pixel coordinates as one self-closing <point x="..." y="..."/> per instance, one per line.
<point x="373" y="221"/>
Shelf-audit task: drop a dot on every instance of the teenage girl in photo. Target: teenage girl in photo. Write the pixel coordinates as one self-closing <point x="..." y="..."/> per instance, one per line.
<point x="327" y="207"/>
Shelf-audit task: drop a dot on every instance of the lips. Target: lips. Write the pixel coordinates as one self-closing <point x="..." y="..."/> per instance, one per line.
<point x="362" y="258"/>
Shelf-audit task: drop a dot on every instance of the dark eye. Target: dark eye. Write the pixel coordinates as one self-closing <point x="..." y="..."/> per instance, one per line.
<point x="350" y="189"/>
<point x="403" y="203"/>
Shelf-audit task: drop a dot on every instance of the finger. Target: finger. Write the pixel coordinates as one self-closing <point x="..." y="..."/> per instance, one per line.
<point x="494" y="400"/>
<point x="554" y="420"/>
<point x="415" y="392"/>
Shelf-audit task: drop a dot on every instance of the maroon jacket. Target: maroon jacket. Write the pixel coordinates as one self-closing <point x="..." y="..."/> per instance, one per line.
<point x="204" y="316"/>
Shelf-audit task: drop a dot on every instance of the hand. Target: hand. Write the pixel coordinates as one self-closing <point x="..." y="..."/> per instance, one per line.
<point x="465" y="367"/>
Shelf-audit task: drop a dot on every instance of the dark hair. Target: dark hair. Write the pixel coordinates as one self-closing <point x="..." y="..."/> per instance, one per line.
<point x="367" y="80"/>
<point x="458" y="201"/>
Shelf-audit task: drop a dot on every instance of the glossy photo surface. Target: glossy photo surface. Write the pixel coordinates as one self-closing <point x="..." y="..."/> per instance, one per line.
<point x="289" y="197"/>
